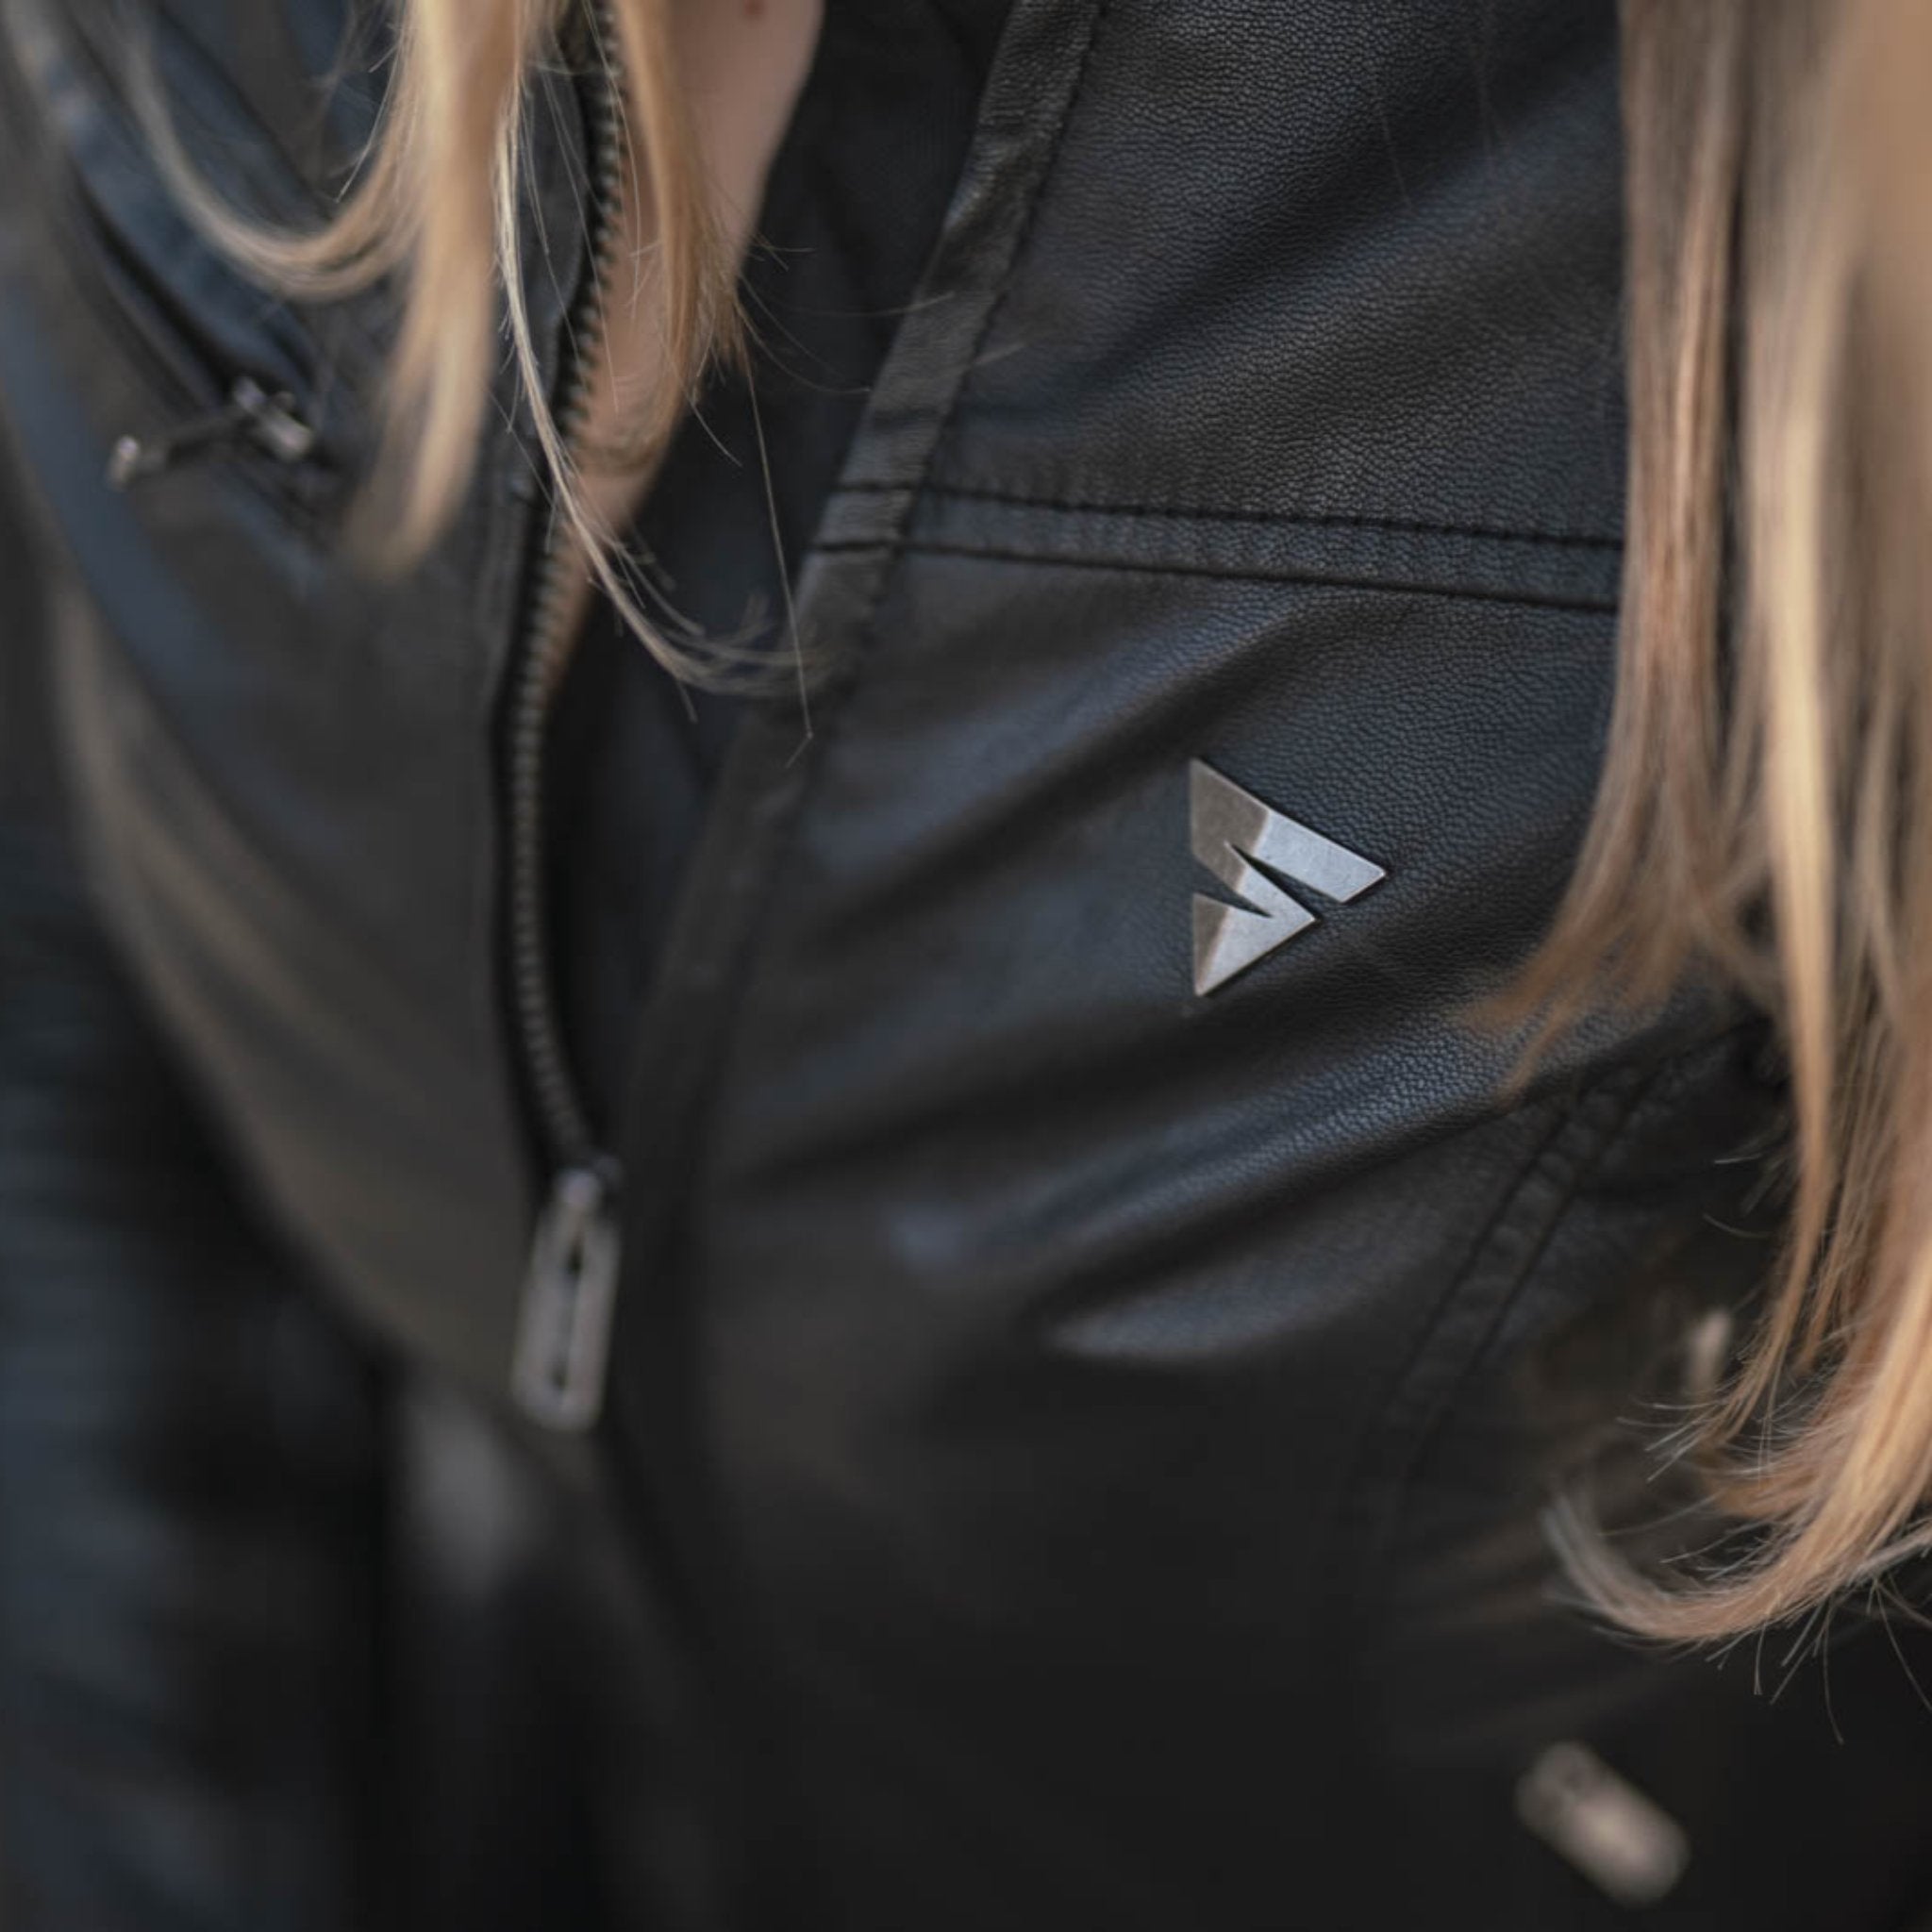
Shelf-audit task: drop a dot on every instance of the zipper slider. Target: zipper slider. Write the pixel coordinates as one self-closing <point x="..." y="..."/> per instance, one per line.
<point x="569" y="1295"/>
<point x="269" y="420"/>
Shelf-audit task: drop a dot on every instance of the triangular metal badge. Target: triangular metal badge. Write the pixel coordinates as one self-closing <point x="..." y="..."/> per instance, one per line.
<point x="1229" y="826"/>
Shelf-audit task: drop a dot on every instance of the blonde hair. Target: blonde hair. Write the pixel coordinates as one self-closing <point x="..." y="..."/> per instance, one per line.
<point x="1765" y="810"/>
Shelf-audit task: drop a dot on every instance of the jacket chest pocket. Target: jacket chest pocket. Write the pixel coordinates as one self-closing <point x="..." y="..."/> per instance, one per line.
<point x="192" y="364"/>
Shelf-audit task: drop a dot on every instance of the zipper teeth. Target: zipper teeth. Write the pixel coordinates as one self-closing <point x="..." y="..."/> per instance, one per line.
<point x="545" y="649"/>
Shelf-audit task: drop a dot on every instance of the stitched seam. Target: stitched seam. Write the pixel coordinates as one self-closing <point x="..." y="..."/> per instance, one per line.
<point x="1589" y="1164"/>
<point x="1319" y="519"/>
<point x="864" y="630"/>
<point x="895" y="540"/>
<point x="1021" y="240"/>
<point x="1472" y="1259"/>
<point x="1586" y="1169"/>
<point x="1331" y="580"/>
<point x="1370" y="1549"/>
<point x="1374" y="1548"/>
<point x="1367" y="1546"/>
<point x="1372" y="1545"/>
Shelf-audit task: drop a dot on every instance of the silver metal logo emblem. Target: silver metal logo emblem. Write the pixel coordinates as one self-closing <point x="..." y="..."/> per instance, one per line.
<point x="1229" y="827"/>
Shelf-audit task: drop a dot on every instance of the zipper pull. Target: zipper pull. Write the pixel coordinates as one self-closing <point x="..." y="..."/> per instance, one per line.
<point x="269" y="420"/>
<point x="569" y="1295"/>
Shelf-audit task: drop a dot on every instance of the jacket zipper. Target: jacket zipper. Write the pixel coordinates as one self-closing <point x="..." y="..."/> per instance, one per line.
<point x="570" y="1285"/>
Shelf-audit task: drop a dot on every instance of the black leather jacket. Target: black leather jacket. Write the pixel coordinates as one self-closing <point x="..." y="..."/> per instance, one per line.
<point x="1078" y="1412"/>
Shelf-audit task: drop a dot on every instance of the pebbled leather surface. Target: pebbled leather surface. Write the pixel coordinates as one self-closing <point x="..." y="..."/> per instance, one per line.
<point x="1076" y="1447"/>
<point x="1358" y="281"/>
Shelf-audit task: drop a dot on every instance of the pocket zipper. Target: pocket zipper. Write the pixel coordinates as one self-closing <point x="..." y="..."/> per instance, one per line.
<point x="224" y="409"/>
<point x="251" y="415"/>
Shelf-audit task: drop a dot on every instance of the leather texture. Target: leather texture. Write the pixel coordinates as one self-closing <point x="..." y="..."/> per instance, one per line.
<point x="1075" y="1448"/>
